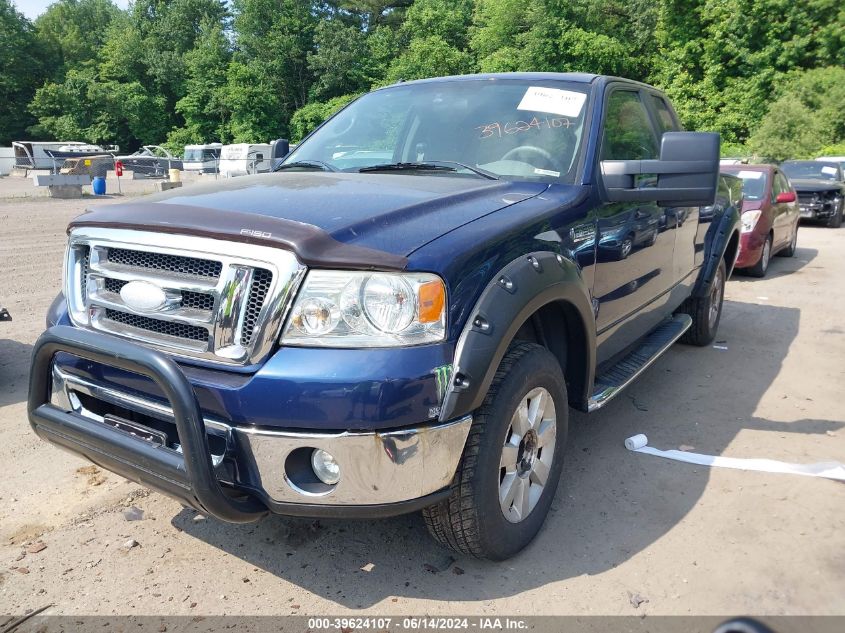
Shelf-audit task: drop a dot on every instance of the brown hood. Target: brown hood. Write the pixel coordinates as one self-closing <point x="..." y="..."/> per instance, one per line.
<point x="313" y="246"/>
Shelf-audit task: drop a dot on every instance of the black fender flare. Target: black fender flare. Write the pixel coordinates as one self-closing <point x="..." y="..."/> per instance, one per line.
<point x="716" y="243"/>
<point x="516" y="292"/>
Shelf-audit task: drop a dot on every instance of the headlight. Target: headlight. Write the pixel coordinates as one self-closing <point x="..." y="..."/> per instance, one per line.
<point x="749" y="220"/>
<point x="356" y="309"/>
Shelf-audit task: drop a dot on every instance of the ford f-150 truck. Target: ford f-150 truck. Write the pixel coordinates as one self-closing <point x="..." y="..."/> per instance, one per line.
<point x="400" y="317"/>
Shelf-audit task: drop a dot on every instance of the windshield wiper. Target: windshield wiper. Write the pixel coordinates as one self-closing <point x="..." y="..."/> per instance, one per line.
<point x="434" y="165"/>
<point x="305" y="164"/>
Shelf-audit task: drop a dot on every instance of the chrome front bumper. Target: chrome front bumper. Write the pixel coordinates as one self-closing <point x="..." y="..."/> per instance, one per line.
<point x="377" y="468"/>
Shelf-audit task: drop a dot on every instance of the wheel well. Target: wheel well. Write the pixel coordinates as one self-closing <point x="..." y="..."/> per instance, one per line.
<point x="730" y="252"/>
<point x="558" y="327"/>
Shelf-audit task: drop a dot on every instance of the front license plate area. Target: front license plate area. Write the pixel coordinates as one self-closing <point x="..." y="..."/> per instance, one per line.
<point x="136" y="430"/>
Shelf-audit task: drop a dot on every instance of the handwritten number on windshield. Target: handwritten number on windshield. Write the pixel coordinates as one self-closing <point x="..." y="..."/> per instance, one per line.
<point x="498" y="129"/>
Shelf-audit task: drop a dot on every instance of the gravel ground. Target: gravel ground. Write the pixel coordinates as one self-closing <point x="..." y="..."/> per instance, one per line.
<point x="624" y="527"/>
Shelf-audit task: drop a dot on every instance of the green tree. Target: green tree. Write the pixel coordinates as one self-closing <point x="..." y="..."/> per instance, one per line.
<point x="721" y="60"/>
<point x="374" y="13"/>
<point x="339" y="62"/>
<point x="789" y="130"/>
<point x="73" y="31"/>
<point x="429" y="56"/>
<point x="128" y="92"/>
<point x="204" y="104"/>
<point x="383" y="46"/>
<point x="608" y="36"/>
<point x="269" y="77"/>
<point x="447" y="19"/>
<point x="807" y="117"/>
<point x="83" y="107"/>
<point x="21" y="72"/>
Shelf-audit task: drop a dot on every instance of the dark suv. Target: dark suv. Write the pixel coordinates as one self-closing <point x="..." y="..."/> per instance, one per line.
<point x="400" y="317"/>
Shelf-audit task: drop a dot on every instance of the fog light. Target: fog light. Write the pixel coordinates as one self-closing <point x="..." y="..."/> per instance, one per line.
<point x="325" y="467"/>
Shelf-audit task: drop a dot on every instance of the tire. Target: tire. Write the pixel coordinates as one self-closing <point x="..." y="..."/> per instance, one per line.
<point x="472" y="519"/>
<point x="625" y="248"/>
<point x="835" y="221"/>
<point x="789" y="251"/>
<point x="706" y="312"/>
<point x="759" y="269"/>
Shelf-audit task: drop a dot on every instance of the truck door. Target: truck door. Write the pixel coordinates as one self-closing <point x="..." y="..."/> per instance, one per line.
<point x="635" y="239"/>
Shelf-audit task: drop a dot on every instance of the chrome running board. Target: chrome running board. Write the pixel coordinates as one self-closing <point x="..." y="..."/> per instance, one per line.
<point x="620" y="375"/>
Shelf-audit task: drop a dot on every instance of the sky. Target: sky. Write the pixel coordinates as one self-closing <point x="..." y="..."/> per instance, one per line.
<point x="33" y="8"/>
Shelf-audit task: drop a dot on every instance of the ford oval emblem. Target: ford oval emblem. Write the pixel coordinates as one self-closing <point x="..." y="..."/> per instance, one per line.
<point x="143" y="296"/>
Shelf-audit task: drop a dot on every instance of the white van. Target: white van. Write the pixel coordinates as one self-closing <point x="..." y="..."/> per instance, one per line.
<point x="240" y="159"/>
<point x="202" y="158"/>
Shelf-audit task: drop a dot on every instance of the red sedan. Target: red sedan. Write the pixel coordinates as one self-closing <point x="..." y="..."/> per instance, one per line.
<point x="770" y="216"/>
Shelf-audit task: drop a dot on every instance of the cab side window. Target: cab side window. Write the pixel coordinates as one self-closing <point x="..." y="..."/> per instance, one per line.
<point x="628" y="134"/>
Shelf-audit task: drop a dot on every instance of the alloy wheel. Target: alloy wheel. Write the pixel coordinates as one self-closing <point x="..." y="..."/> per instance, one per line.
<point x="766" y="255"/>
<point x="716" y="291"/>
<point x="527" y="454"/>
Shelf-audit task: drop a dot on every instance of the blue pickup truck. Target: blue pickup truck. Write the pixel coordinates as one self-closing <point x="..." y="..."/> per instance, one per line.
<point x="401" y="315"/>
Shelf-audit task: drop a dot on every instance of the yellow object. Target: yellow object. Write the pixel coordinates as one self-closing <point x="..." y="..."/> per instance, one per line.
<point x="432" y="298"/>
<point x="87" y="162"/>
<point x="174" y="175"/>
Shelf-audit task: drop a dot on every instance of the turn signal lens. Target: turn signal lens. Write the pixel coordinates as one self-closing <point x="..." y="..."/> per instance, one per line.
<point x="432" y="298"/>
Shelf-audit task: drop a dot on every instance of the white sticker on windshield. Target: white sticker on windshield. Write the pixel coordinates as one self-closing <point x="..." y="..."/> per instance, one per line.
<point x="829" y="170"/>
<point x="750" y="175"/>
<point x="546" y="172"/>
<point x="553" y="101"/>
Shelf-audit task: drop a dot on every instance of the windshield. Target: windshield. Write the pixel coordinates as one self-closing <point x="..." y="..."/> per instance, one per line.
<point x="517" y="130"/>
<point x="753" y="183"/>
<point x="811" y="169"/>
<point x="200" y="154"/>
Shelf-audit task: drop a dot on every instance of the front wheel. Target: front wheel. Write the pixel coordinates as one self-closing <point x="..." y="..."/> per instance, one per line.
<point x="508" y="474"/>
<point x="706" y="312"/>
<point x="835" y="221"/>
<point x="762" y="266"/>
<point x="625" y="248"/>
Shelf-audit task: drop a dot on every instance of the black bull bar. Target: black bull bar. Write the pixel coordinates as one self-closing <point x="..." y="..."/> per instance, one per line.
<point x="188" y="477"/>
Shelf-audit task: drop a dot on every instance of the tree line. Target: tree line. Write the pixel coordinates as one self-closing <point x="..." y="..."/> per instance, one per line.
<point x="769" y="75"/>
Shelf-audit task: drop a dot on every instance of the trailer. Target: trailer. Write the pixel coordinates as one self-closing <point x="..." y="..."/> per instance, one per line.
<point x="240" y="159"/>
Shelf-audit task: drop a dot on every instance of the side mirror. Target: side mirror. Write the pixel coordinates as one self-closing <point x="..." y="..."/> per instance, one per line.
<point x="786" y="196"/>
<point x="278" y="150"/>
<point x="686" y="174"/>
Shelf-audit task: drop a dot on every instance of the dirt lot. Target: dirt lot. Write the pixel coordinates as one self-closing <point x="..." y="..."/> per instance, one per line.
<point x="687" y="539"/>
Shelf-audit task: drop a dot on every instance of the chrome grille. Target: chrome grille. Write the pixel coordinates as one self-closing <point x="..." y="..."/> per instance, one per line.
<point x="165" y="328"/>
<point x="83" y="272"/>
<point x="191" y="266"/>
<point x="197" y="300"/>
<point x="114" y="285"/>
<point x="218" y="301"/>
<point x="261" y="281"/>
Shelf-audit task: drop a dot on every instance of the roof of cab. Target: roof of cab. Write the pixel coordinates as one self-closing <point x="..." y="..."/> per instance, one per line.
<point x="584" y="78"/>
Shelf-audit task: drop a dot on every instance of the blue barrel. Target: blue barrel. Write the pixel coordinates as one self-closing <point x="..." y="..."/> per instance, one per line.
<point x="99" y="186"/>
